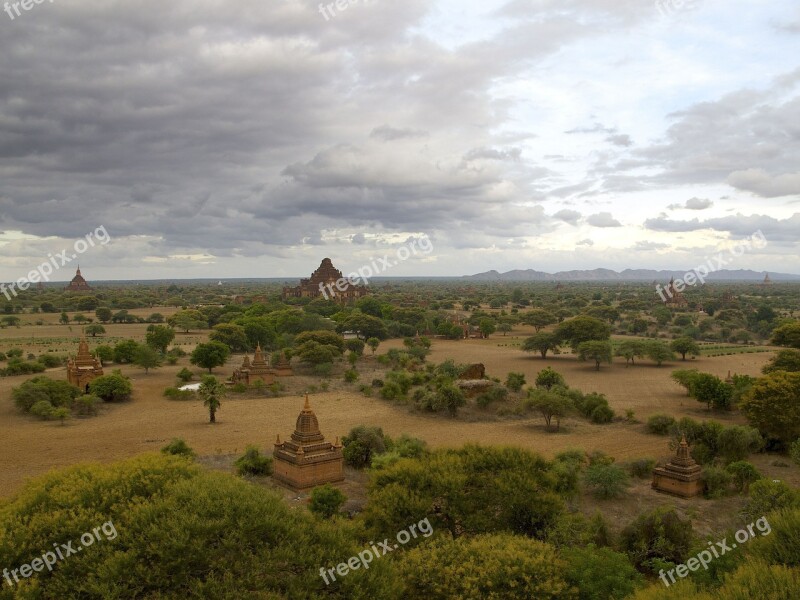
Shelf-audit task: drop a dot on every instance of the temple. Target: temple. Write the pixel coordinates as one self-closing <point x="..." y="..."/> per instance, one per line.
<point x="78" y="283"/>
<point x="257" y="370"/>
<point x="307" y="460"/>
<point x="681" y="476"/>
<point x="767" y="281"/>
<point x="674" y="299"/>
<point x="327" y="282"/>
<point x="84" y="367"/>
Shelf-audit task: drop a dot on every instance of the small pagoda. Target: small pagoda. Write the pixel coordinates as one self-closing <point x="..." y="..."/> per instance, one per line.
<point x="681" y="476"/>
<point x="84" y="367"/>
<point x="283" y="368"/>
<point x="306" y="460"/>
<point x="257" y="370"/>
<point x="78" y="283"/>
<point x="675" y="299"/>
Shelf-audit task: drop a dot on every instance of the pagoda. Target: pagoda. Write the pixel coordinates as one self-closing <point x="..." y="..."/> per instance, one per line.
<point x="306" y="460"/>
<point x="257" y="370"/>
<point x="675" y="299"/>
<point x="84" y="367"/>
<point x="283" y="368"/>
<point x="78" y="283"/>
<point x="681" y="476"/>
<point x="327" y="282"/>
<point x="767" y="280"/>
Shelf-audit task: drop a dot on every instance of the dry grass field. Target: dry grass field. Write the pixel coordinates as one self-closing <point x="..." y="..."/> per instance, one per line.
<point x="31" y="447"/>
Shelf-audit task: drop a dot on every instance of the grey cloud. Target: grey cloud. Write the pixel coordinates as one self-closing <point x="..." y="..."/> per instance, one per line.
<point x="761" y="183"/>
<point x="603" y="219"/>
<point x="568" y="216"/>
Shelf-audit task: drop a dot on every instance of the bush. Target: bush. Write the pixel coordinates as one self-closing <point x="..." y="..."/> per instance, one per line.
<point x="606" y="481"/>
<point x="57" y="393"/>
<point x="743" y="474"/>
<point x="178" y="447"/>
<point x="326" y="501"/>
<point x="657" y="536"/>
<point x="641" y="467"/>
<point x="515" y="381"/>
<point x="323" y="369"/>
<point x="351" y="376"/>
<point x="718" y="482"/>
<point x="392" y="391"/>
<point x="111" y="388"/>
<point x="660" y="424"/>
<point x="602" y="414"/>
<point x="495" y="393"/>
<point x="600" y="573"/>
<point x="377" y="383"/>
<point x="176" y="394"/>
<point x="51" y="361"/>
<point x="238" y="388"/>
<point x="42" y="409"/>
<point x="361" y="444"/>
<point x="794" y="451"/>
<point x="737" y="442"/>
<point x="767" y="496"/>
<point x="185" y="375"/>
<point x="87" y="404"/>
<point x="252" y="462"/>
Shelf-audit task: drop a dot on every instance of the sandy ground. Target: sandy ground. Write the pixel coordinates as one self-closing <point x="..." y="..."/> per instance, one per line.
<point x="31" y="447"/>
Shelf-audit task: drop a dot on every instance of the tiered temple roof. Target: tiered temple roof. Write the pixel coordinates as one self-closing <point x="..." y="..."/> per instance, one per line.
<point x="84" y="367"/>
<point x="78" y="283"/>
<point x="681" y="476"/>
<point x="323" y="282"/>
<point x="306" y="459"/>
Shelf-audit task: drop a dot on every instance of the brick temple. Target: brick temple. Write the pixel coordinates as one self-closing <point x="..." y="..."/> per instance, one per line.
<point x="258" y="370"/>
<point x="323" y="283"/>
<point x="78" y="283"/>
<point x="84" y="367"/>
<point x="306" y="460"/>
<point x="681" y="476"/>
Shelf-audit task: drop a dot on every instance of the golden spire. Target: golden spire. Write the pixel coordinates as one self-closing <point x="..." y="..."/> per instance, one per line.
<point x="307" y="405"/>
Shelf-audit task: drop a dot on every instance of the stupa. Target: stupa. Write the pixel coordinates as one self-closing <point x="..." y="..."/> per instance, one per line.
<point x="681" y="476"/>
<point x="306" y="460"/>
<point x="257" y="370"/>
<point x="84" y="367"/>
<point x="78" y="283"/>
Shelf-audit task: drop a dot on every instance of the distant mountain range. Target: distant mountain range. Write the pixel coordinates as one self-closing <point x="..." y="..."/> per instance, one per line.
<point x="626" y="275"/>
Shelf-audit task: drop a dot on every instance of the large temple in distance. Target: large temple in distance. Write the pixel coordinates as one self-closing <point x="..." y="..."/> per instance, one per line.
<point x="78" y="283"/>
<point x="327" y="282"/>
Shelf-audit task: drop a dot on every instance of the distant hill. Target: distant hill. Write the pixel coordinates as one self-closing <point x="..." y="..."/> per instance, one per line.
<point x="626" y="275"/>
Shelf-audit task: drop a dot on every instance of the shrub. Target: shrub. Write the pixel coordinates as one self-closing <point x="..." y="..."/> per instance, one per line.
<point x="239" y="388"/>
<point x="641" y="467"/>
<point x="602" y="414"/>
<point x="660" y="424"/>
<point x="361" y="444"/>
<point x="767" y="496"/>
<point x="794" y="451"/>
<point x="717" y="480"/>
<point x="87" y="404"/>
<point x="57" y="393"/>
<point x="252" y="462"/>
<point x="178" y="447"/>
<point x="547" y="378"/>
<point x="377" y="383"/>
<point x="111" y="388"/>
<point x="743" y="474"/>
<point x="365" y="389"/>
<point x="176" y="394"/>
<point x="600" y="573"/>
<point x="737" y="442"/>
<point x="326" y="500"/>
<point x="495" y="393"/>
<point x="42" y="409"/>
<point x="515" y="381"/>
<point x="657" y="536"/>
<point x="323" y="369"/>
<point x="606" y="481"/>
<point x="51" y="361"/>
<point x="185" y="375"/>
<point x="392" y="391"/>
<point x="351" y="376"/>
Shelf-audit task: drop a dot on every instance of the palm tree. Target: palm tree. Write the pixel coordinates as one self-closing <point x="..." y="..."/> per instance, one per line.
<point x="211" y="391"/>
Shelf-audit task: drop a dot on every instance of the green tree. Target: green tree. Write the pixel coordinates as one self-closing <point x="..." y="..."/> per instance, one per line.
<point x="252" y="462"/>
<point x="103" y="314"/>
<point x="365" y="326"/>
<point x="147" y="358"/>
<point x="185" y="320"/>
<point x="159" y="337"/>
<point x="64" y="318"/>
<point x="125" y="351"/>
<point x="326" y="501"/>
<point x="784" y="360"/>
<point x="373" y="343"/>
<point x="94" y="328"/>
<point x="551" y="404"/>
<point x="538" y="318"/>
<point x="486" y="327"/>
<point x="787" y="335"/>
<point x="541" y="343"/>
<point x="658" y="352"/>
<point x="630" y="350"/>
<point x="233" y="336"/>
<point x="212" y="392"/>
<point x="362" y="444"/>
<point x="684" y="346"/>
<point x="595" y="350"/>
<point x="548" y="377"/>
<point x="657" y="536"/>
<point x="685" y="378"/>
<point x="515" y="381"/>
<point x="104" y="353"/>
<point x="210" y="355"/>
<point x="582" y="329"/>
<point x="486" y="566"/>
<point x="314" y="353"/>
<point x="600" y="573"/>
<point x="111" y="388"/>
<point x="712" y="391"/>
<point x="771" y="405"/>
<point x="325" y="338"/>
<point x="606" y="480"/>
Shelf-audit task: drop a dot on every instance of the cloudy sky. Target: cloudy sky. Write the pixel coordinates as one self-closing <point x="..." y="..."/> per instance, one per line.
<point x="250" y="138"/>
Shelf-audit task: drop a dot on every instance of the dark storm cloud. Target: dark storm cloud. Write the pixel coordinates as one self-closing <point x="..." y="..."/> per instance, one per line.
<point x="738" y="225"/>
